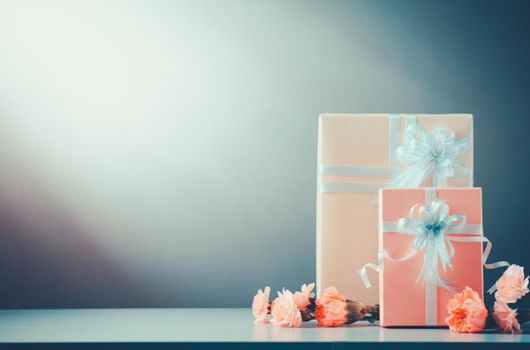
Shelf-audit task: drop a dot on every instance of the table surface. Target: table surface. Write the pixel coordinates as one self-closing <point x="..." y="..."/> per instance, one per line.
<point x="204" y="326"/>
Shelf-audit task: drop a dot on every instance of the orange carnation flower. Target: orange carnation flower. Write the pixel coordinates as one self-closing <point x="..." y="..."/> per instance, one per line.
<point x="331" y="308"/>
<point x="467" y="313"/>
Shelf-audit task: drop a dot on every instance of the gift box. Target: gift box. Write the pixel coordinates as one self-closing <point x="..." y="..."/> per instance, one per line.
<point x="357" y="155"/>
<point x="410" y="223"/>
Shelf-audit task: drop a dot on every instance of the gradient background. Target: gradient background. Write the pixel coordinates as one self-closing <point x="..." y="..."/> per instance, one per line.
<point x="163" y="153"/>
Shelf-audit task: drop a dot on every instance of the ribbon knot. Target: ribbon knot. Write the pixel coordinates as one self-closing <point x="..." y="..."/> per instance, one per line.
<point x="426" y="154"/>
<point x="436" y="228"/>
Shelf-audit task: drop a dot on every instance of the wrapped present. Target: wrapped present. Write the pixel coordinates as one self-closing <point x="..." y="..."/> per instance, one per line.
<point x="360" y="153"/>
<point x="430" y="246"/>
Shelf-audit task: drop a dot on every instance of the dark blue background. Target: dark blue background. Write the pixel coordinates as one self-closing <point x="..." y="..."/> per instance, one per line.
<point x="164" y="153"/>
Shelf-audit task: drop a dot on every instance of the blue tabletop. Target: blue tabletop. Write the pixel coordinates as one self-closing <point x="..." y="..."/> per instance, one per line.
<point x="191" y="327"/>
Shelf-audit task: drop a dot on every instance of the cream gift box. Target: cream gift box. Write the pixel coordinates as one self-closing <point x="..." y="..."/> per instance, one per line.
<point x="408" y="219"/>
<point x="357" y="155"/>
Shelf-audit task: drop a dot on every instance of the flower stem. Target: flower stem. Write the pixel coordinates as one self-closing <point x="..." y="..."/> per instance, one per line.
<point x="358" y="311"/>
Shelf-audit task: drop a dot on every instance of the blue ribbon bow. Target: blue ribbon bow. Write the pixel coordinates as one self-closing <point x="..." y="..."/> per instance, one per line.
<point x="426" y="154"/>
<point x="430" y="223"/>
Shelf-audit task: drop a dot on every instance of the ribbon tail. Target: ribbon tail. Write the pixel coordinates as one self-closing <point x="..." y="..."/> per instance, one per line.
<point x="491" y="266"/>
<point x="438" y="181"/>
<point x="443" y="254"/>
<point x="413" y="176"/>
<point x="429" y="272"/>
<point x="425" y="273"/>
<point x="485" y="254"/>
<point x="379" y="267"/>
<point x="492" y="289"/>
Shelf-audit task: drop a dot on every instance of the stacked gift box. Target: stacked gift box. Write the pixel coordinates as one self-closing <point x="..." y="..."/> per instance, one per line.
<point x="396" y="195"/>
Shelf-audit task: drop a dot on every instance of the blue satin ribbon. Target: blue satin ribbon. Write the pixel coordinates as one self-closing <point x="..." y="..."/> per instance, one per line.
<point x="433" y="227"/>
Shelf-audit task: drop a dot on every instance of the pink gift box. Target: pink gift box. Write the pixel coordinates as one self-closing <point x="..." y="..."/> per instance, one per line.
<point x="403" y="300"/>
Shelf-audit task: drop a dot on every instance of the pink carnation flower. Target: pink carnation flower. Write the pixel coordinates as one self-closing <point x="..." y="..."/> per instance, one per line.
<point x="331" y="309"/>
<point x="260" y="306"/>
<point x="506" y="318"/>
<point x="512" y="285"/>
<point x="302" y="298"/>
<point x="467" y="313"/>
<point x="284" y="311"/>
